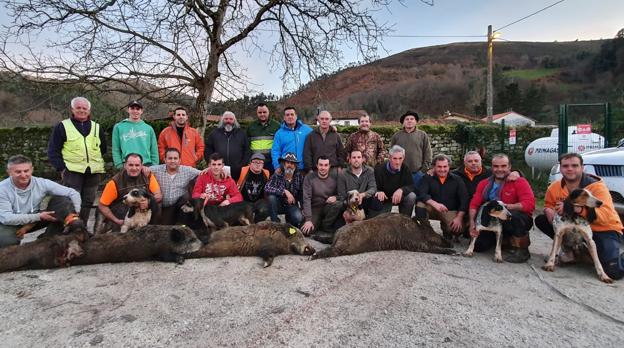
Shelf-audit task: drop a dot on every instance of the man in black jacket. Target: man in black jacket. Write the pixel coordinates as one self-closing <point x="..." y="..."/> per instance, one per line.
<point x="394" y="184"/>
<point x="443" y="197"/>
<point x="231" y="142"/>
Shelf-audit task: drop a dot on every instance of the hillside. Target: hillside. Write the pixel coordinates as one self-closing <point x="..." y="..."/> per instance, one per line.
<point x="452" y="77"/>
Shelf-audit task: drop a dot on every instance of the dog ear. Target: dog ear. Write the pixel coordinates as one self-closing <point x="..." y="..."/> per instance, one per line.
<point x="485" y="215"/>
<point x="131" y="211"/>
<point x="591" y="215"/>
<point x="176" y="235"/>
<point x="568" y="207"/>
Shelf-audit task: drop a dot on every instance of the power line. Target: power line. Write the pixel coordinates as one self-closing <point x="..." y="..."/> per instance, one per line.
<point x="532" y="14"/>
<point x="398" y="35"/>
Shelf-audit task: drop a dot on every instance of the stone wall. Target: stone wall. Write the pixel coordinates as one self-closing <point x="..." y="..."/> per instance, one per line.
<point x="449" y="139"/>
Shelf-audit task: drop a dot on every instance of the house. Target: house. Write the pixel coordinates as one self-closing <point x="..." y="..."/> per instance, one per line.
<point x="512" y="118"/>
<point x="455" y="117"/>
<point x="213" y="118"/>
<point x="347" y="118"/>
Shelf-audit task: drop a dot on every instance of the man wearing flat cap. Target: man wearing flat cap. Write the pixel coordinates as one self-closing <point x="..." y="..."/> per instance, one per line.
<point x="416" y="144"/>
<point x="133" y="135"/>
<point x="251" y="183"/>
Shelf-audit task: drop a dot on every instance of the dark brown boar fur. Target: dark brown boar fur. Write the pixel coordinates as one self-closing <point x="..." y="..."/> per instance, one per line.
<point x="265" y="239"/>
<point x="386" y="232"/>
<point x="51" y="252"/>
<point x="151" y="242"/>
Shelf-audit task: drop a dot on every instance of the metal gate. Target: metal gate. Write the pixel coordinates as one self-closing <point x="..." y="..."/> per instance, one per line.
<point x="584" y="127"/>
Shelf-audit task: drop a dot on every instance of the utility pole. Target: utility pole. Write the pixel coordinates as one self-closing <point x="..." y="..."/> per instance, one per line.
<point x="489" y="98"/>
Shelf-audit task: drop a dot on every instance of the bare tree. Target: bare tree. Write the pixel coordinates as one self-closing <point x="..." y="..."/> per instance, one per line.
<point x="172" y="49"/>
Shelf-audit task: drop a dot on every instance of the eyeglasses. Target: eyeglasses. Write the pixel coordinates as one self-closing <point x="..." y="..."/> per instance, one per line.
<point x="257" y="162"/>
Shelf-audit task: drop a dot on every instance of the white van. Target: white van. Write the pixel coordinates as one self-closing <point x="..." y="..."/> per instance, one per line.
<point x="607" y="164"/>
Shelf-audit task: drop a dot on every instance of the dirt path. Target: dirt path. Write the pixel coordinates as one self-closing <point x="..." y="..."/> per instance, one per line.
<point x="387" y="298"/>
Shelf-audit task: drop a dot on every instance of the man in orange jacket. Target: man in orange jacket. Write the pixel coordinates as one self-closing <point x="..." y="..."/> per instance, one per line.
<point x="607" y="228"/>
<point x="182" y="137"/>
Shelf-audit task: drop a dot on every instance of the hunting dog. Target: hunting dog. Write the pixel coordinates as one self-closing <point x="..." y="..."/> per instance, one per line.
<point x="135" y="216"/>
<point x="490" y="218"/>
<point x="218" y="217"/>
<point x="573" y="232"/>
<point x="64" y="211"/>
<point x="354" y="210"/>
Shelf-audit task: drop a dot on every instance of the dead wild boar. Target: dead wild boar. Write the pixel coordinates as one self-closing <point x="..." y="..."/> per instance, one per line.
<point x="265" y="239"/>
<point x="386" y="232"/>
<point x="50" y="252"/>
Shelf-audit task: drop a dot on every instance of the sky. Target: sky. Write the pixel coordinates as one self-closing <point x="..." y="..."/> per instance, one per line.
<point x="566" y="21"/>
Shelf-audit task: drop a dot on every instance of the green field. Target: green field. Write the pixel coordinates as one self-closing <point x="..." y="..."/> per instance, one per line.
<point x="530" y="74"/>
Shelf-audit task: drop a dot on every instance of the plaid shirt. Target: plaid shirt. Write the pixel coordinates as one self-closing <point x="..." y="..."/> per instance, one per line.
<point x="173" y="187"/>
<point x="277" y="185"/>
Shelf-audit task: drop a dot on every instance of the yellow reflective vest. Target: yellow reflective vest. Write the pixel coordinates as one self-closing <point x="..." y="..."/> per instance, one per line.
<point x="80" y="152"/>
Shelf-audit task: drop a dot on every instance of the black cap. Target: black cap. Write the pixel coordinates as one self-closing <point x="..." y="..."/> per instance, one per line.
<point x="410" y="113"/>
<point x="135" y="103"/>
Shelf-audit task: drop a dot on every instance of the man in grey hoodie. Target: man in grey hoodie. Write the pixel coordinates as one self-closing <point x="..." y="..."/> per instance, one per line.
<point x="358" y="176"/>
<point x="20" y="197"/>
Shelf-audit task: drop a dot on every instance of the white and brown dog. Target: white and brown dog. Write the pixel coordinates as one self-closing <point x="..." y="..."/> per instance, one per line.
<point x="354" y="211"/>
<point x="138" y="215"/>
<point x="490" y="218"/>
<point x="572" y="231"/>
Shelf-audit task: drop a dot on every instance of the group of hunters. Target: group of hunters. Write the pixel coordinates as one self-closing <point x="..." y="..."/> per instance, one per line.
<point x="292" y="169"/>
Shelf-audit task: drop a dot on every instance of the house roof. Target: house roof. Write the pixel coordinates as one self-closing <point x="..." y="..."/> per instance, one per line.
<point x="501" y="115"/>
<point x="348" y="114"/>
<point x="213" y="118"/>
<point x="450" y="114"/>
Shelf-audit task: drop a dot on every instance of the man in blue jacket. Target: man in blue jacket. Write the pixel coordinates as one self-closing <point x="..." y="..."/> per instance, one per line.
<point x="290" y="137"/>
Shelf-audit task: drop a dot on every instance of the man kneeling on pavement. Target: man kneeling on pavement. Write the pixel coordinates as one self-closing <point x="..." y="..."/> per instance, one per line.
<point x="607" y="228"/>
<point x="321" y="207"/>
<point x="443" y="196"/>
<point x="519" y="199"/>
<point x="21" y="195"/>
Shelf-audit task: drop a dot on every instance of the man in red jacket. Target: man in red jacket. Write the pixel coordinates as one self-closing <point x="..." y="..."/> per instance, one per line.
<point x="214" y="187"/>
<point x="519" y="200"/>
<point x="181" y="136"/>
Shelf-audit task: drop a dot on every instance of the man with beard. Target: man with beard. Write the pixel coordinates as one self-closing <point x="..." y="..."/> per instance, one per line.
<point x="369" y="143"/>
<point x="130" y="177"/>
<point x="229" y="140"/>
<point x="251" y="184"/>
<point x="360" y="177"/>
<point x="284" y="191"/>
<point x="261" y="133"/>
<point x="76" y="150"/>
<point x="181" y="136"/>
<point x="518" y="198"/>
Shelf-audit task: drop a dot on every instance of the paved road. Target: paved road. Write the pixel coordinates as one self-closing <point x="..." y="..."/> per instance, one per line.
<point x="395" y="299"/>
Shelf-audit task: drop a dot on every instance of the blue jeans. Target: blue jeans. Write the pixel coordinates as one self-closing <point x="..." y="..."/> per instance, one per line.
<point x="416" y="178"/>
<point x="278" y="205"/>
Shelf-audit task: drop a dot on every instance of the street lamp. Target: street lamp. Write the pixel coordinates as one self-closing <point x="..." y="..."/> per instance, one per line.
<point x="490" y="87"/>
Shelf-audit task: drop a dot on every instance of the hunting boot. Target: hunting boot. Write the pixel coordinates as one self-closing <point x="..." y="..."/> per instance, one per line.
<point x="519" y="251"/>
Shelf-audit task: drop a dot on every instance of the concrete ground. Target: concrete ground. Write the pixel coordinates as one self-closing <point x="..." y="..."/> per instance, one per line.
<point x="393" y="298"/>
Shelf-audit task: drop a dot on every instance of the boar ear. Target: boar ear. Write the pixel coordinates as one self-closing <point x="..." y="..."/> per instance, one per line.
<point x="176" y="235"/>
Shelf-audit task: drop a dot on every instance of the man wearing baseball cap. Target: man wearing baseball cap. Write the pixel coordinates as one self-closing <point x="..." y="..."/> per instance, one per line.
<point x="251" y="183"/>
<point x="133" y="135"/>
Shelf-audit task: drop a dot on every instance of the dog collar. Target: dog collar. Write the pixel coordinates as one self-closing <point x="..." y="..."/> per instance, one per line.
<point x="70" y="218"/>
